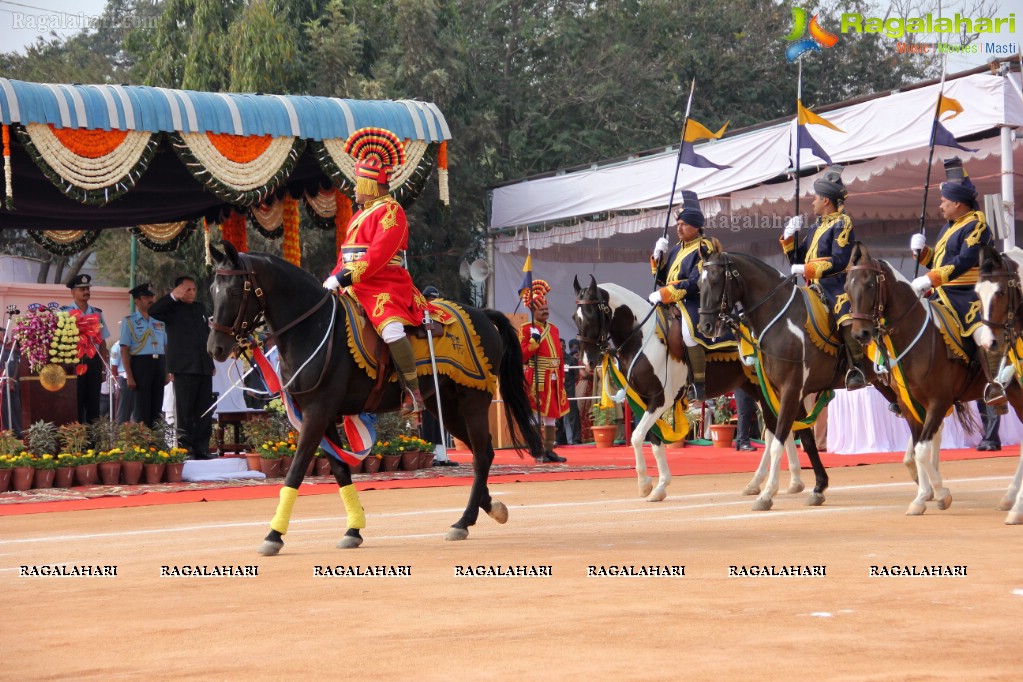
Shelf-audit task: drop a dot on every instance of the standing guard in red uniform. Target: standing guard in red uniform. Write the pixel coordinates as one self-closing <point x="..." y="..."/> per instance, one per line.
<point x="545" y="367"/>
<point x="370" y="264"/>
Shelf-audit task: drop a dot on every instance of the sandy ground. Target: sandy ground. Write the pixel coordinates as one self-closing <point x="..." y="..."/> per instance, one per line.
<point x="434" y="625"/>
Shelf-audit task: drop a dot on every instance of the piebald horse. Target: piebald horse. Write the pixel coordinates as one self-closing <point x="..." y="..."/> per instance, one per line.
<point x="325" y="382"/>
<point x="1001" y="299"/>
<point x="885" y="307"/>
<point x="775" y="313"/>
<point x="610" y="320"/>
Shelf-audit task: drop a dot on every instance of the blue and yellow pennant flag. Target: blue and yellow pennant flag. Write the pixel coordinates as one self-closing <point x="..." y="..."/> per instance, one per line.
<point x="696" y="131"/>
<point x="942" y="135"/>
<point x="527" y="276"/>
<point x="803" y="138"/>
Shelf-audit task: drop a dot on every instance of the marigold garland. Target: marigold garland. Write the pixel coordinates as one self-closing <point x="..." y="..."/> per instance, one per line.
<point x="232" y="229"/>
<point x="240" y="148"/>
<point x="342" y="217"/>
<point x="89" y="144"/>
<point x="9" y="198"/>
<point x="406" y="183"/>
<point x="292" y="248"/>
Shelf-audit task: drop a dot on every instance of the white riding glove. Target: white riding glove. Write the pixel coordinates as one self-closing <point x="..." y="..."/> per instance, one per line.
<point x="921" y="285"/>
<point x="792" y="226"/>
<point x="661" y="248"/>
<point x="798" y="269"/>
<point x="917" y="242"/>
<point x="655" y="298"/>
<point x="534" y="333"/>
<point x="331" y="283"/>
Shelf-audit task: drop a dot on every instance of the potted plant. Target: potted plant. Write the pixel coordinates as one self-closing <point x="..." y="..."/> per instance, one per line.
<point x="603" y="423"/>
<point x="109" y="465"/>
<point x="23" y="465"/>
<point x="45" y="470"/>
<point x="133" y="461"/>
<point x="155" y="464"/>
<point x="65" y="475"/>
<point x="256" y="431"/>
<point x="372" y="462"/>
<point x="175" y="464"/>
<point x="722" y="417"/>
<point x="9" y="446"/>
<point x="270" y="457"/>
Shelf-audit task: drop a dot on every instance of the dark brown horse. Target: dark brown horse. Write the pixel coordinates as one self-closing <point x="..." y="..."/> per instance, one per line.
<point x="1001" y="299"/>
<point x="885" y="308"/>
<point x="775" y="314"/>
<point x="325" y="382"/>
<point x="614" y="322"/>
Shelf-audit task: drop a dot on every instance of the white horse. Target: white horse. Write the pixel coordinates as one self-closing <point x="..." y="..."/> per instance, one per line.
<point x="613" y="320"/>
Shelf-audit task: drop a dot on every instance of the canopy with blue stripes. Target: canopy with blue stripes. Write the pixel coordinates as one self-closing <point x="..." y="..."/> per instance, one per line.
<point x="139" y="107"/>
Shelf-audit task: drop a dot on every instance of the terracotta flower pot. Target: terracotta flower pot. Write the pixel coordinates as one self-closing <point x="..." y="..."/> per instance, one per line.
<point x="409" y="461"/>
<point x="722" y="435"/>
<point x="110" y="473"/>
<point x="391" y="462"/>
<point x="86" y="474"/>
<point x="253" y="460"/>
<point x="322" y="466"/>
<point x="64" y="477"/>
<point x="371" y="464"/>
<point x="132" y="472"/>
<point x="5" y="480"/>
<point x="44" y="478"/>
<point x="173" y="472"/>
<point x="270" y="467"/>
<point x="604" y="436"/>
<point x="154" y="472"/>
<point x="286" y="464"/>
<point x="310" y="467"/>
<point x="22" y="477"/>
<point x="426" y="459"/>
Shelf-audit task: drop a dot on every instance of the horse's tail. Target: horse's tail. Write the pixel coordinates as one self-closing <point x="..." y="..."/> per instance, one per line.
<point x="513" y="388"/>
<point x="965" y="418"/>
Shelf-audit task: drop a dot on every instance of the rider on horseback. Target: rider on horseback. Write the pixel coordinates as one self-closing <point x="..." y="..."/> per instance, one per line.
<point x="954" y="267"/>
<point x="370" y="262"/>
<point x="823" y="256"/>
<point x="678" y="277"/>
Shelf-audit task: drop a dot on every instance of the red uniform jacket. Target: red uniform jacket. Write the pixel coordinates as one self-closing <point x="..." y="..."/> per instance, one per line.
<point x="548" y="359"/>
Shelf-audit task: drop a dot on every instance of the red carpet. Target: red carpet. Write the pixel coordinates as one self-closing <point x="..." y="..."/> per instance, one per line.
<point x="584" y="462"/>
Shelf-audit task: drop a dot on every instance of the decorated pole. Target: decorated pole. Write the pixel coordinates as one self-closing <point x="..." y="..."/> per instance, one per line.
<point x="930" y="158"/>
<point x="799" y="101"/>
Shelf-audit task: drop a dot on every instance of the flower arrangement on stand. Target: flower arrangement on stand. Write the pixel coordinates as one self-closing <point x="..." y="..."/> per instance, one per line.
<point x="49" y="335"/>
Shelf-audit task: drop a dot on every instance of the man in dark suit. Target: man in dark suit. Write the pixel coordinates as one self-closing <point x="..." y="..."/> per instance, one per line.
<point x="190" y="366"/>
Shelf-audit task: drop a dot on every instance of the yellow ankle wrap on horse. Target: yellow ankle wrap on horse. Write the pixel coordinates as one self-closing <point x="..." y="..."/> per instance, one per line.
<point x="356" y="514"/>
<point x="283" y="516"/>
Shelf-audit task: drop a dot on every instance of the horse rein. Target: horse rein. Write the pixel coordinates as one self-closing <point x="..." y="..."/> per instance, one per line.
<point x="1015" y="300"/>
<point x="241" y="329"/>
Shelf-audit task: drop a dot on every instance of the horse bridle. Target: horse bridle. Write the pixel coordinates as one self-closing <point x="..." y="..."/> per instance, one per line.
<point x="603" y="341"/>
<point x="1015" y="300"/>
<point x="727" y="303"/>
<point x="877" y="313"/>
<point x="242" y="329"/>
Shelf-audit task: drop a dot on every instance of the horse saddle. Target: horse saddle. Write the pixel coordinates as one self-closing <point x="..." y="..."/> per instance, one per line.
<point x="669" y="327"/>
<point x="957" y="346"/>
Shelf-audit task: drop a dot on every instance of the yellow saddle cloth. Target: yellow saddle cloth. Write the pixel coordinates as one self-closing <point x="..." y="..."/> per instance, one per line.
<point x="459" y="352"/>
<point x="951" y="330"/>
<point x="820" y="325"/>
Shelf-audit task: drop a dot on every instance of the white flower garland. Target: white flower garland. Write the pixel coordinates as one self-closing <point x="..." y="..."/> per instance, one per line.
<point x="442" y="181"/>
<point x="270" y="217"/>
<point x="323" y="204"/>
<point x="84" y="172"/>
<point x="414" y="150"/>
<point x="240" y="176"/>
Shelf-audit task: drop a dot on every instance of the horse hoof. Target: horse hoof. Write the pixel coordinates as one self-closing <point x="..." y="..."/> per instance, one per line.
<point x="916" y="508"/>
<point x="657" y="495"/>
<point x="751" y="490"/>
<point x="763" y="504"/>
<point x="1005" y="504"/>
<point x="645" y="486"/>
<point x="457" y="534"/>
<point x="1014" y="519"/>
<point x="498" y="512"/>
<point x="349" y="542"/>
<point x="796" y="488"/>
<point x="815" y="500"/>
<point x="269" y="548"/>
<point x="946" y="501"/>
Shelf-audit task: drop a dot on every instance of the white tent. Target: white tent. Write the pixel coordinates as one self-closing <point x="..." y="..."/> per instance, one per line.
<point x="604" y="220"/>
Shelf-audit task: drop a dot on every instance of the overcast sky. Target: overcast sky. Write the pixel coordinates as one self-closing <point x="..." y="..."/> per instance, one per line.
<point x="23" y="21"/>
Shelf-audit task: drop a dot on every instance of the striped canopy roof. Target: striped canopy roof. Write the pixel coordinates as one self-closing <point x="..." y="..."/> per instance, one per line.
<point x="143" y="108"/>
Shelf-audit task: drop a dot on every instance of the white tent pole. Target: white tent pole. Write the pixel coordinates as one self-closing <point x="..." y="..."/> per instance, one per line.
<point x="1008" y="189"/>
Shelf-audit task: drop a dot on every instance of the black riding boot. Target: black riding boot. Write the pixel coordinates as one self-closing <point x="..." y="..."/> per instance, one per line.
<point x="549" y="436"/>
<point x="994" y="392"/>
<point x="405" y="361"/>
<point x="855" y="378"/>
<point x="698" y="364"/>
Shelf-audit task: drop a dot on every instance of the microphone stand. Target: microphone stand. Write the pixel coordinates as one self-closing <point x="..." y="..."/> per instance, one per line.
<point x="5" y="359"/>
